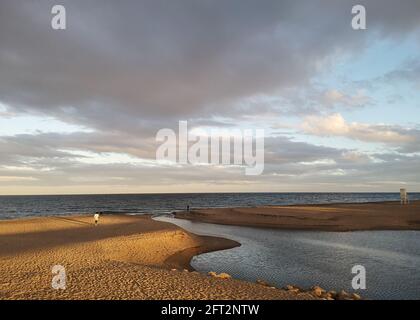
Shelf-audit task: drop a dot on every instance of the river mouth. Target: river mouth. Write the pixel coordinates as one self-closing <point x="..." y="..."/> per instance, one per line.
<point x="307" y="258"/>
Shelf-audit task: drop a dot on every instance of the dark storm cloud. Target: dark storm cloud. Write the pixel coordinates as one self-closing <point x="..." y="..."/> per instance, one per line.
<point x="128" y="64"/>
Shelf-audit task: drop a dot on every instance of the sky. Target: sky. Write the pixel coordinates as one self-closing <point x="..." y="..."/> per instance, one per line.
<point x="80" y="108"/>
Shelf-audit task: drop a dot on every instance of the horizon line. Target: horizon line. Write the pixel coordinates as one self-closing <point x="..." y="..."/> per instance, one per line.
<point x="175" y="193"/>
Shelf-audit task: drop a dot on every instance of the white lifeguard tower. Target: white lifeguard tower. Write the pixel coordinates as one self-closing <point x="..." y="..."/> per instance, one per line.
<point x="404" y="196"/>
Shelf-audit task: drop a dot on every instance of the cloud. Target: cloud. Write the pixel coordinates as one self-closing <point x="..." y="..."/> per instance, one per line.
<point x="35" y="166"/>
<point x="122" y="65"/>
<point x="335" y="125"/>
<point x="408" y="71"/>
<point x="127" y="69"/>
<point x="335" y="97"/>
<point x="283" y="150"/>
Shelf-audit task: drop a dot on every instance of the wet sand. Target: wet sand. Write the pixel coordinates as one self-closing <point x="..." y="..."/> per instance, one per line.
<point x="330" y="217"/>
<point x="124" y="257"/>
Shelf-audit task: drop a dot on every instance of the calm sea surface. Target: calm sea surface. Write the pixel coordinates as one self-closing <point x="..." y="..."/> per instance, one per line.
<point x="307" y="258"/>
<point x="25" y="206"/>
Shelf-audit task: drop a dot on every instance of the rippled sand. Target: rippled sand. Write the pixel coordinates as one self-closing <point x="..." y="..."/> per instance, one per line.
<point x="124" y="257"/>
<point x="328" y="217"/>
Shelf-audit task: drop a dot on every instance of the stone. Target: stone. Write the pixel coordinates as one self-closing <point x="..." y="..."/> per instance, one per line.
<point x="224" y="275"/>
<point x="332" y="293"/>
<point x="263" y="283"/>
<point x="343" y="295"/>
<point x="318" y="291"/>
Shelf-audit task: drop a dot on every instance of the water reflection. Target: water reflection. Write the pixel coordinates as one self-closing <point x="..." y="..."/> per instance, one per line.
<point x="306" y="258"/>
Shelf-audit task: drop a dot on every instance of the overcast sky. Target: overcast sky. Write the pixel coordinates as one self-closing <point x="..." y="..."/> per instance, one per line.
<point x="80" y="108"/>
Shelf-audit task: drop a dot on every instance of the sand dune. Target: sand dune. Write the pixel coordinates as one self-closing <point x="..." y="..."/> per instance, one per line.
<point x="125" y="257"/>
<point x="330" y="217"/>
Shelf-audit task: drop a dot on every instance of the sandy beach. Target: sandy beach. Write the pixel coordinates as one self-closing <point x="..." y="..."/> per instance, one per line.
<point x="136" y="257"/>
<point x="328" y="217"/>
<point x="124" y="257"/>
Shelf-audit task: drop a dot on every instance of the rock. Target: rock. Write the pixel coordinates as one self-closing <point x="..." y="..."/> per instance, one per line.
<point x="328" y="295"/>
<point x="224" y="276"/>
<point x="343" y="295"/>
<point x="293" y="289"/>
<point x="263" y="283"/>
<point x="325" y="296"/>
<point x="321" y="293"/>
<point x="174" y="270"/>
<point x="318" y="291"/>
<point x="185" y="270"/>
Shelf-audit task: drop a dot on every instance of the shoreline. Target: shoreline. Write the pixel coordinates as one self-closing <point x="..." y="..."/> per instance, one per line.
<point x="182" y="259"/>
<point x="138" y="257"/>
<point x="340" y="217"/>
<point x="124" y="257"/>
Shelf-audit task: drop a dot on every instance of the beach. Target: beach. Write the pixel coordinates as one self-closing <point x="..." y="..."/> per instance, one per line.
<point x="138" y="257"/>
<point x="322" y="217"/>
<point x="124" y="257"/>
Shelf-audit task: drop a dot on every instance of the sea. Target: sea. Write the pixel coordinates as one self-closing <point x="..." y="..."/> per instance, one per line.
<point x="12" y="207"/>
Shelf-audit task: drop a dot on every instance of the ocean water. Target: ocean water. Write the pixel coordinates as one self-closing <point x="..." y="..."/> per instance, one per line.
<point x="306" y="258"/>
<point x="27" y="206"/>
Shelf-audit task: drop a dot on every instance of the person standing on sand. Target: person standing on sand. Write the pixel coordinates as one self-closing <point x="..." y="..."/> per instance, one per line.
<point x="96" y="217"/>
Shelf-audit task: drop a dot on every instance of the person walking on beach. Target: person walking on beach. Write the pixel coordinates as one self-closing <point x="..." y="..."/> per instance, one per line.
<point x="96" y="217"/>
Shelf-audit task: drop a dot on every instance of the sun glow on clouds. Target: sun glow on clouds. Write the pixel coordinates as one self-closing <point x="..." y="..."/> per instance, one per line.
<point x="318" y="162"/>
<point x="13" y="123"/>
<point x="335" y="125"/>
<point x="339" y="107"/>
<point x="16" y="179"/>
<point x="88" y="157"/>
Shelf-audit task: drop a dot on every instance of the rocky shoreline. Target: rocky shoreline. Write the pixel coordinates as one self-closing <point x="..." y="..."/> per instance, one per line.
<point x="323" y="294"/>
<point x="315" y="291"/>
